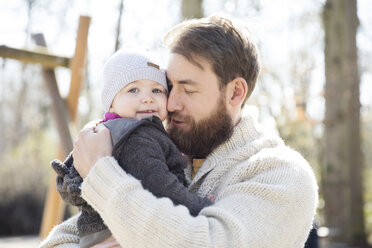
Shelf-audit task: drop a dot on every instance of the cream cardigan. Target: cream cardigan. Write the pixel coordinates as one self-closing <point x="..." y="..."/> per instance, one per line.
<point x="266" y="196"/>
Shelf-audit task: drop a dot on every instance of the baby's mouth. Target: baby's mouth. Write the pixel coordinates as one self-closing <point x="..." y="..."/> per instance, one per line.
<point x="149" y="111"/>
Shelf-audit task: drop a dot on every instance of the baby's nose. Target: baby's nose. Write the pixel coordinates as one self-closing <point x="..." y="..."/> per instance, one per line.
<point x="147" y="99"/>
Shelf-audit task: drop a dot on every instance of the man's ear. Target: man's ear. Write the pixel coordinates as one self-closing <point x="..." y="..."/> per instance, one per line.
<point x="236" y="91"/>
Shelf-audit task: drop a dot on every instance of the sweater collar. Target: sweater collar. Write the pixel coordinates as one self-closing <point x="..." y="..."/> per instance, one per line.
<point x="247" y="130"/>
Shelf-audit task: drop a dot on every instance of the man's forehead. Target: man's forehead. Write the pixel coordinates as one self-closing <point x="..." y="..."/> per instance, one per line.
<point x="182" y="81"/>
<point x="181" y="70"/>
<point x="192" y="58"/>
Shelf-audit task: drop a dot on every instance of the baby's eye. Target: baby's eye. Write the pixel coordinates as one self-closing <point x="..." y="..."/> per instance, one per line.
<point x="134" y="90"/>
<point x="157" y="91"/>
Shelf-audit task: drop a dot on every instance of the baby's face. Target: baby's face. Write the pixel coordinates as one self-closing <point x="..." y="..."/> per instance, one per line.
<point x="140" y="99"/>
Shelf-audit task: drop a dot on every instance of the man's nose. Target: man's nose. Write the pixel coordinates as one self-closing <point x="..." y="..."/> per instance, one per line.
<point x="174" y="103"/>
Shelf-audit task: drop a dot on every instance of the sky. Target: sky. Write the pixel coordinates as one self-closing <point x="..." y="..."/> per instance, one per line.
<point x="278" y="27"/>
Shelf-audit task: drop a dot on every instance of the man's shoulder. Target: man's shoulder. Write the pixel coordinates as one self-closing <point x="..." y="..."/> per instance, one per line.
<point x="282" y="165"/>
<point x="267" y="155"/>
<point x="275" y="153"/>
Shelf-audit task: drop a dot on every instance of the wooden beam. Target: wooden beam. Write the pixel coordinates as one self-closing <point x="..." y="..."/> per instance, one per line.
<point x="47" y="60"/>
<point x="54" y="206"/>
<point x="59" y="109"/>
<point x="78" y="66"/>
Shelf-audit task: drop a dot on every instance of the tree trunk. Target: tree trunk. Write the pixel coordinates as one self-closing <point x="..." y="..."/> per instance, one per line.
<point x="192" y="9"/>
<point x="118" y="26"/>
<point x="342" y="172"/>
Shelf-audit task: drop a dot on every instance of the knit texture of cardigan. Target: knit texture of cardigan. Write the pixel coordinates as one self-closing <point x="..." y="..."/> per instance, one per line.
<point x="266" y="196"/>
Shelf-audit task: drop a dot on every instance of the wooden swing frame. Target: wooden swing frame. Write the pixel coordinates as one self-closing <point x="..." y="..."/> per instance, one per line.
<point x="64" y="111"/>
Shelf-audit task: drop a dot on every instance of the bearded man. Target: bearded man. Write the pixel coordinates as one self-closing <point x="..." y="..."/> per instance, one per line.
<point x="265" y="192"/>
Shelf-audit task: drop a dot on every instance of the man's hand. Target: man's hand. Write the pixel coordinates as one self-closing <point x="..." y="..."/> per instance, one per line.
<point x="92" y="144"/>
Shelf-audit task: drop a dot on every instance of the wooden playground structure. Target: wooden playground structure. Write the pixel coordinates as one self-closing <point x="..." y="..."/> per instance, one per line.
<point x="64" y="110"/>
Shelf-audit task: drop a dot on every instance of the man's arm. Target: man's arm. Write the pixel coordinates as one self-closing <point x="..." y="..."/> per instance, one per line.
<point x="134" y="215"/>
<point x="250" y="213"/>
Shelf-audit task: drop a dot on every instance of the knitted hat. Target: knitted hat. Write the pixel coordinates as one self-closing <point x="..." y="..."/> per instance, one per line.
<point x="125" y="67"/>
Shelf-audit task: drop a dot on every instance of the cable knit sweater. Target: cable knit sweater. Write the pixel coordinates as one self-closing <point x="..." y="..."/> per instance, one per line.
<point x="266" y="196"/>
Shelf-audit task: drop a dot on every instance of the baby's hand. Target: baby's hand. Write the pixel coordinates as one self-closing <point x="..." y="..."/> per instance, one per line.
<point x="68" y="182"/>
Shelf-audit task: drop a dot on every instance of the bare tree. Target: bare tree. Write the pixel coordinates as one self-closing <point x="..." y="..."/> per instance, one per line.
<point x="342" y="172"/>
<point x="118" y="27"/>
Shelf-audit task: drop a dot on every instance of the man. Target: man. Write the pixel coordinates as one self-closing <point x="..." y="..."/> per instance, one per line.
<point x="265" y="193"/>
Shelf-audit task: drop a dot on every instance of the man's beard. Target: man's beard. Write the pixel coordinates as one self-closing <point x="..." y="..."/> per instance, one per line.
<point x="202" y="137"/>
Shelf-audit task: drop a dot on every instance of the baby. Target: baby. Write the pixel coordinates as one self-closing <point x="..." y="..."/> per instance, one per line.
<point x="134" y="97"/>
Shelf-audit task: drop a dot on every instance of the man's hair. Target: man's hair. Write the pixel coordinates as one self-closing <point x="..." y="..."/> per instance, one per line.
<point x="227" y="47"/>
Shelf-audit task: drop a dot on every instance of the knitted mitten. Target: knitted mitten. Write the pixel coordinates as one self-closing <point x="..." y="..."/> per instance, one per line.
<point x="68" y="181"/>
<point x="68" y="186"/>
<point x="89" y="221"/>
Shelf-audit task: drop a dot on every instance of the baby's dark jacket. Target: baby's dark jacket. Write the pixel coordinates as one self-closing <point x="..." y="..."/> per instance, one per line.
<point x="144" y="150"/>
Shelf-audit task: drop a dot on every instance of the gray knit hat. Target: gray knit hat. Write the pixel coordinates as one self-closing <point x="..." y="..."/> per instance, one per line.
<point x="124" y="67"/>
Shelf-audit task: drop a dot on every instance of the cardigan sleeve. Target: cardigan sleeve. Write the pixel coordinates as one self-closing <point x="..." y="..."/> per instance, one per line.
<point x="137" y="218"/>
<point x="275" y="208"/>
<point x="256" y="212"/>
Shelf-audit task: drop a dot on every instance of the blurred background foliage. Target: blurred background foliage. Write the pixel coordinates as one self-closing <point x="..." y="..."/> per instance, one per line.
<point x="290" y="92"/>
